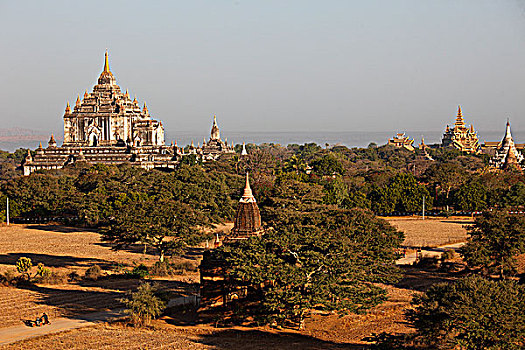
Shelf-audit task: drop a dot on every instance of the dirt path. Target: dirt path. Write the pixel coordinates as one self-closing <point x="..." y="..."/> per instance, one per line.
<point x="22" y="332"/>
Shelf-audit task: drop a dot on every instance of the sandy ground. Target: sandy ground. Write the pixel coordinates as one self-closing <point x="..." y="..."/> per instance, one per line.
<point x="431" y="232"/>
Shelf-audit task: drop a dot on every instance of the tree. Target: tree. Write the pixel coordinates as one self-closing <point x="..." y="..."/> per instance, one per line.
<point x="402" y="193"/>
<point x="473" y="313"/>
<point x="328" y="164"/>
<point x="472" y="196"/>
<point x="496" y="238"/>
<point x="167" y="225"/>
<point x="144" y="305"/>
<point x="447" y="176"/>
<point x="327" y="260"/>
<point x="515" y="197"/>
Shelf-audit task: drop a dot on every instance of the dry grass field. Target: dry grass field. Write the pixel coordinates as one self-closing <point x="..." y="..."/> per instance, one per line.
<point x="321" y="332"/>
<point x="431" y="232"/>
<point x="68" y="249"/>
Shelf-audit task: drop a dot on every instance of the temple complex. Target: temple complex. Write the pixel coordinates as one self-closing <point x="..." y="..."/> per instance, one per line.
<point x="214" y="288"/>
<point x="212" y="149"/>
<point x="402" y="141"/>
<point x="107" y="126"/>
<point x="461" y="137"/>
<point x="507" y="155"/>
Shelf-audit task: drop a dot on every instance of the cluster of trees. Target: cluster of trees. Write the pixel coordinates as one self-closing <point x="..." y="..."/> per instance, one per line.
<point x="326" y="259"/>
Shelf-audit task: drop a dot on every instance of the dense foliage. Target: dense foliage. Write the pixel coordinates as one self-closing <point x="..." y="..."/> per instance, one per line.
<point x="325" y="260"/>
<point x="473" y="313"/>
<point x="496" y="239"/>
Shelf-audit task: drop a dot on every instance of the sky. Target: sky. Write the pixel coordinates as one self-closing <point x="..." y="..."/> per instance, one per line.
<point x="270" y="65"/>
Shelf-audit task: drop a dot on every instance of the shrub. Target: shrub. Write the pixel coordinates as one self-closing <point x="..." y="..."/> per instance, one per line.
<point x="8" y="278"/>
<point x="166" y="268"/>
<point x="162" y="269"/>
<point x="73" y="277"/>
<point x="144" y="304"/>
<point x="24" y="265"/>
<point x="51" y="277"/>
<point x="140" y="271"/>
<point x="93" y="273"/>
<point x="448" y="255"/>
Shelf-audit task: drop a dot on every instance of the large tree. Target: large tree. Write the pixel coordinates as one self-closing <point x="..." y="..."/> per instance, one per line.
<point x="496" y="238"/>
<point x="167" y="225"/>
<point x="473" y="313"/>
<point x="327" y="260"/>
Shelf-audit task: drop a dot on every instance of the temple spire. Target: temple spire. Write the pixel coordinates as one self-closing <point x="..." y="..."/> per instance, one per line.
<point x="106" y="63"/>
<point x="247" y="196"/>
<point x="459" y="118"/>
<point x="68" y="109"/>
<point x="77" y="103"/>
<point x="244" y="152"/>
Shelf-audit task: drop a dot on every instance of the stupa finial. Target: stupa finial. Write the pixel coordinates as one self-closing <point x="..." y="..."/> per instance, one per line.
<point x="106" y="63"/>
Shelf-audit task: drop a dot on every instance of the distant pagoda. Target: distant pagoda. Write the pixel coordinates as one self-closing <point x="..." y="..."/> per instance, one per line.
<point x="400" y="140"/>
<point x="215" y="146"/>
<point x="507" y="155"/>
<point x="461" y="137"/>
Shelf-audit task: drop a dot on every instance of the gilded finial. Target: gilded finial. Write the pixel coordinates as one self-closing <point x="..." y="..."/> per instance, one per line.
<point x="127" y="94"/>
<point x="77" y="104"/>
<point x="106" y="63"/>
<point x="135" y="100"/>
<point x="68" y="109"/>
<point x="459" y="110"/>
<point x="86" y="94"/>
<point x="40" y="145"/>
<point x="145" y="109"/>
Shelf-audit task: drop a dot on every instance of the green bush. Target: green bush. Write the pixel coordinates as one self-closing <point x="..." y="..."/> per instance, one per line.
<point x="24" y="265"/>
<point x="144" y="305"/>
<point x="93" y="273"/>
<point x="140" y="271"/>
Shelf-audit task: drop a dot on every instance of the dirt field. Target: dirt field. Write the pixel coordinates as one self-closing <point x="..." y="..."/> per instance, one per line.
<point x="69" y="250"/>
<point x="431" y="232"/>
<point x="321" y="332"/>
<point x="75" y="250"/>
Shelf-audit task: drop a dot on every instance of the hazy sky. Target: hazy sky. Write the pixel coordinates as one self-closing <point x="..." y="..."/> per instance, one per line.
<point x="271" y="65"/>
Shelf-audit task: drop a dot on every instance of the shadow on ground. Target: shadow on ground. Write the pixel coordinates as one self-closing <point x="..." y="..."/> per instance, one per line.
<point x="59" y="228"/>
<point x="55" y="260"/>
<point x="259" y="339"/>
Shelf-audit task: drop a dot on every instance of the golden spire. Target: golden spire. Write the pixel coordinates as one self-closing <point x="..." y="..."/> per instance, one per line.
<point x="86" y="94"/>
<point x="106" y="63"/>
<point x="247" y="196"/>
<point x="68" y="109"/>
<point x="459" y="118"/>
<point x="145" y="109"/>
<point x="77" y="104"/>
<point x="126" y="95"/>
<point x="135" y="100"/>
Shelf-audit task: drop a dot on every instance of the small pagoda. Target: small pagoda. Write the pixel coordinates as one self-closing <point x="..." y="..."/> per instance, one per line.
<point x="214" y="290"/>
<point x="461" y="137"/>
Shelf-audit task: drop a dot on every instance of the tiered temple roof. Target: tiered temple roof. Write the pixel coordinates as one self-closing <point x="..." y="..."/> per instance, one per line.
<point x="106" y="126"/>
<point x="402" y="141"/>
<point x="507" y="155"/>
<point x="461" y="137"/>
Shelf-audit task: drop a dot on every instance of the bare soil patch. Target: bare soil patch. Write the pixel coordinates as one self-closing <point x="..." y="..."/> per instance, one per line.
<point x="431" y="232"/>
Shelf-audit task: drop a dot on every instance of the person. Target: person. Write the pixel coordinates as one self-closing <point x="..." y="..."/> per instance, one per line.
<point x="38" y="322"/>
<point x="45" y="318"/>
